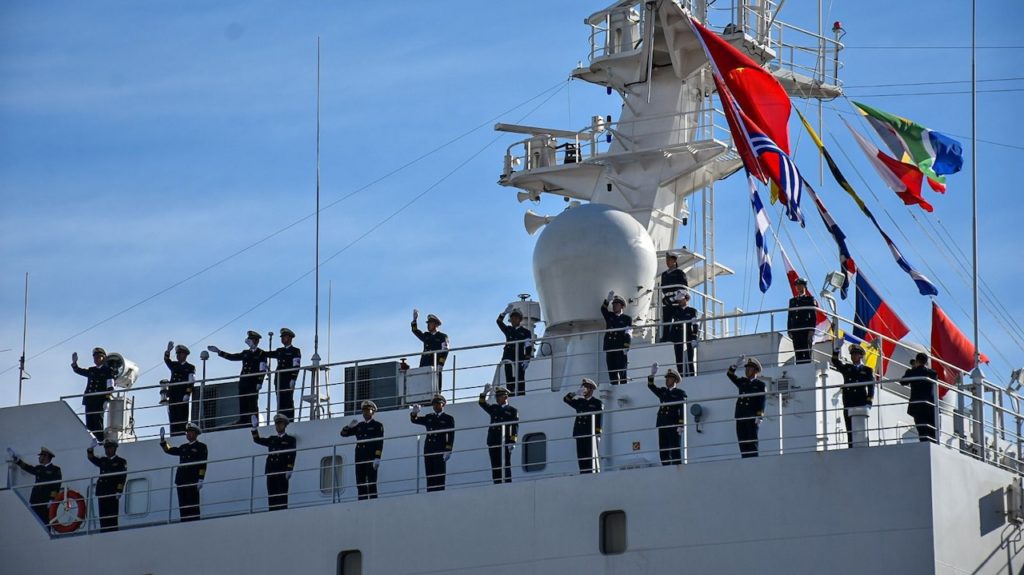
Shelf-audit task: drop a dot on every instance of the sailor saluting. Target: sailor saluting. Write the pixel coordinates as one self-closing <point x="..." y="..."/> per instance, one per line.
<point x="254" y="364"/>
<point x="435" y="344"/>
<point x="99" y="384"/>
<point x="191" y="472"/>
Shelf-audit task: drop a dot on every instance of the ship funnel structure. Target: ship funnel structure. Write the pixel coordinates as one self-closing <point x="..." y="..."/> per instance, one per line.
<point x="533" y="221"/>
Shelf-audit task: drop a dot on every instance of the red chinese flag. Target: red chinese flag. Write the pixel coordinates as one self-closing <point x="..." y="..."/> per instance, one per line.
<point x="951" y="346"/>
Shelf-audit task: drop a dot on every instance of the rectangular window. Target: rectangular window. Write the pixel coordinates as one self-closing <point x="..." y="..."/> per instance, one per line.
<point x="136" y="496"/>
<point x="350" y="562"/>
<point x="331" y="472"/>
<point x="535" y="452"/>
<point x="613" y="532"/>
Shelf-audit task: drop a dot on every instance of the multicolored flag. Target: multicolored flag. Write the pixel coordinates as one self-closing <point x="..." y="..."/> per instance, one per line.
<point x="924" y="285"/>
<point x="821" y="323"/>
<point x="871" y="351"/>
<point x="873" y="313"/>
<point x="757" y="109"/>
<point x="934" y="153"/>
<point x="951" y="346"/>
<point x="904" y="179"/>
<point x="846" y="263"/>
<point x="764" y="259"/>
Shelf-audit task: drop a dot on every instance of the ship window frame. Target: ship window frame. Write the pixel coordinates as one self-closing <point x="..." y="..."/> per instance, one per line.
<point x="132" y="493"/>
<point x="350" y="555"/>
<point x="338" y="461"/>
<point x="612" y="539"/>
<point x="535" y="444"/>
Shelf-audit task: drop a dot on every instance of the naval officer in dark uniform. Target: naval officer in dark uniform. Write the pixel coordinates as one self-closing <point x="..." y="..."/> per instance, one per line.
<point x="254" y="366"/>
<point x="502" y="434"/>
<point x="617" y="338"/>
<point x="854" y="395"/>
<point x="179" y="387"/>
<point x="191" y="472"/>
<point x="369" y="434"/>
<point x="435" y="344"/>
<point x="801" y="322"/>
<point x="47" y="484"/>
<point x="922" y="381"/>
<point x="280" y="460"/>
<point x="517" y="351"/>
<point x="749" y="405"/>
<point x="690" y="331"/>
<point x="289" y="359"/>
<point x="437" y="449"/>
<point x="670" y="416"/>
<point x="98" y="388"/>
<point x="110" y="485"/>
<point x="586" y="428"/>
<point x="673" y="280"/>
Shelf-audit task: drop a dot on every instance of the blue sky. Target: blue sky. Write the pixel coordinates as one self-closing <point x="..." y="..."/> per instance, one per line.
<point x="144" y="142"/>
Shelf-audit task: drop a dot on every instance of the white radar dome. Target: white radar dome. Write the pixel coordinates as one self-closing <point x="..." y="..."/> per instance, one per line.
<point x="584" y="253"/>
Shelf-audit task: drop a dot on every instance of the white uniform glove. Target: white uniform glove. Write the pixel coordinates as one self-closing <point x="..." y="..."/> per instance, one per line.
<point x="511" y="445"/>
<point x="416" y="409"/>
<point x="508" y="309"/>
<point x="74" y="357"/>
<point x="487" y="389"/>
<point x="580" y="391"/>
<point x="170" y="346"/>
<point x="447" y="455"/>
<point x="739" y="362"/>
<point x="679" y="430"/>
<point x="352" y="424"/>
<point x="255" y="421"/>
<point x="611" y="295"/>
<point x="297" y="362"/>
<point x="415" y="314"/>
<point x="654" y="369"/>
<point x="199" y="484"/>
<point x="213" y="349"/>
<point x="14" y="456"/>
<point x="376" y="464"/>
<point x="161" y="434"/>
<point x="93" y="444"/>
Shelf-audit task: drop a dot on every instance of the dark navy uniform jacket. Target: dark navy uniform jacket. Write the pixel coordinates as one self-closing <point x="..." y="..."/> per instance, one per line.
<point x="440" y="431"/>
<point x="621" y="325"/>
<point x="502" y="417"/>
<point x="180" y="373"/>
<point x="282" y="451"/>
<point x="191" y="461"/>
<point x="692" y="329"/>
<point x="747" y="404"/>
<point x="517" y="338"/>
<point x="113" y="473"/>
<point x="671" y="282"/>
<point x="369" y="437"/>
<point x="253" y="360"/>
<point x="856" y="395"/>
<point x="670" y="413"/>
<point x="591" y="408"/>
<point x="437" y="341"/>
<point x="802" y="318"/>
<point x="99" y="377"/>
<point x="47" y="484"/>
<point x="287" y="358"/>
<point x="922" y="391"/>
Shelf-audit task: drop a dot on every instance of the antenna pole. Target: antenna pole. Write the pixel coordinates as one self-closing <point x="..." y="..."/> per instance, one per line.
<point x="24" y="339"/>
<point x="974" y="174"/>
<point x="316" y="313"/>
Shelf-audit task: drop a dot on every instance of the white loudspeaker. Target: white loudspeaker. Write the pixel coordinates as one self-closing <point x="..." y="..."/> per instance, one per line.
<point x="523" y="196"/>
<point x="534" y="222"/>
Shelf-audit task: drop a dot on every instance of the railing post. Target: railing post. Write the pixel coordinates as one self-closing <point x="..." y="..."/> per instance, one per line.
<point x="252" y="483"/>
<point x="170" y="493"/>
<point x="780" y="424"/>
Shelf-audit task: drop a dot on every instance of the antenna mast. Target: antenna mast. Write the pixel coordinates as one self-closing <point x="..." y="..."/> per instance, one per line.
<point x="22" y="376"/>
<point x="315" y="399"/>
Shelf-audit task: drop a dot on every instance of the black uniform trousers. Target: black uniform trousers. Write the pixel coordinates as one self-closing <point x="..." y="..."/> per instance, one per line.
<point x="746" y="436"/>
<point x="188" y="502"/>
<point x="585" y="453"/>
<point x="924" y="420"/>
<point x="42" y="511"/>
<point x="436" y="468"/>
<point x="366" y="480"/>
<point x="177" y="416"/>
<point x="109" y="507"/>
<point x="617" y="364"/>
<point x="94" y="415"/>
<point x="802" y="344"/>
<point x="277" y="490"/>
<point x="286" y="395"/>
<point x="515" y="377"/>
<point x="501" y="463"/>
<point x="669" y="443"/>
<point x="248" y="398"/>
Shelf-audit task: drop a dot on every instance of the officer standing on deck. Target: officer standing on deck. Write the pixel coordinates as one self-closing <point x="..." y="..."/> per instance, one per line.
<point x="369" y="435"/>
<point x="288" y="358"/>
<point x="47" y="484"/>
<point x="188" y="478"/>
<point x="854" y="395"/>
<point x="98" y="387"/>
<point x="280" y="461"/>
<point x="254" y="364"/>
<point x="437" y="449"/>
<point x="502" y="434"/>
<point x="922" y="381"/>
<point x="110" y="485"/>
<point x="673" y="280"/>
<point x="435" y="344"/>
<point x="691" y="328"/>
<point x="749" y="405"/>
<point x="517" y="350"/>
<point x="800" y="322"/>
<point x="616" y="338"/>
<point x="670" y="416"/>
<point x="586" y="428"/>
<point x="179" y="388"/>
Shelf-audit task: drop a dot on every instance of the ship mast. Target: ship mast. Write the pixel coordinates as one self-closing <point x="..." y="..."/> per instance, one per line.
<point x="314" y="407"/>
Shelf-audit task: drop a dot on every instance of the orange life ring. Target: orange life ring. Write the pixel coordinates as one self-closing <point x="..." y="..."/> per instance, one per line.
<point x="67" y="498"/>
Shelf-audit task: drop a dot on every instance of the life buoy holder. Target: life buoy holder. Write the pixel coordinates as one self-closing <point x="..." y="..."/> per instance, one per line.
<point x="67" y="520"/>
